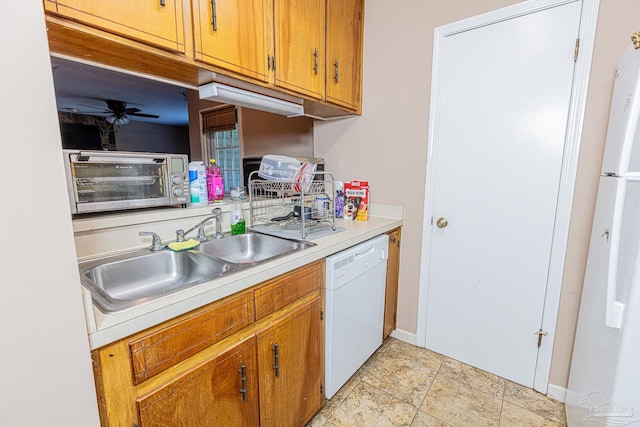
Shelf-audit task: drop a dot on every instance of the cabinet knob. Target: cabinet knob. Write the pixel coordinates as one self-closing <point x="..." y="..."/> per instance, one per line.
<point x="442" y="222"/>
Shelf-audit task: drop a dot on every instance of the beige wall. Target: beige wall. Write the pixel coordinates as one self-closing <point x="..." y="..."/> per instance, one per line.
<point x="387" y="144"/>
<point x="45" y="366"/>
<point x="267" y="133"/>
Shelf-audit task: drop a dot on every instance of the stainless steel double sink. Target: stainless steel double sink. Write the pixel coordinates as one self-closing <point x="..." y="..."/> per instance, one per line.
<point x="124" y="281"/>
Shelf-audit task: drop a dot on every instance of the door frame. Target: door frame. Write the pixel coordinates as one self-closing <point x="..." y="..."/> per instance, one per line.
<point x="577" y="105"/>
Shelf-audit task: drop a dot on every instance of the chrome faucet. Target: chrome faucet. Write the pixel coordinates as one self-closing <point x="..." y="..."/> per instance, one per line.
<point x="156" y="244"/>
<point x="217" y="215"/>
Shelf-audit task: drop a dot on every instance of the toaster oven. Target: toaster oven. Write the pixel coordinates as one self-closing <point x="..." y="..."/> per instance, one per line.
<point x="100" y="181"/>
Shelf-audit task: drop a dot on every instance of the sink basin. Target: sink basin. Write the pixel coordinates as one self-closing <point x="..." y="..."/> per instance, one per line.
<point x="251" y="248"/>
<point x="127" y="280"/>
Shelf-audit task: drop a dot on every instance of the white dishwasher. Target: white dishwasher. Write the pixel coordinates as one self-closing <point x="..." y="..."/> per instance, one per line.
<point x="355" y="291"/>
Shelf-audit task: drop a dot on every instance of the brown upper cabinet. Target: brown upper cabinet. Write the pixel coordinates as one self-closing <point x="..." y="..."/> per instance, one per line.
<point x="155" y="22"/>
<point x="310" y="49"/>
<point x="300" y="46"/>
<point x="234" y="35"/>
<point x="281" y="42"/>
<point x="344" y="52"/>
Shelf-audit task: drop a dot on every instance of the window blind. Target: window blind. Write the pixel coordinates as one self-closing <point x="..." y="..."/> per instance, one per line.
<point x="219" y="120"/>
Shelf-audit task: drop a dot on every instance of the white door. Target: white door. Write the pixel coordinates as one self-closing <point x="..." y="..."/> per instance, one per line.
<point x="498" y="137"/>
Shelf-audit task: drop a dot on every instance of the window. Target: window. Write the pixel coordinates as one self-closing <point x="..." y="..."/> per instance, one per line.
<point x="222" y="143"/>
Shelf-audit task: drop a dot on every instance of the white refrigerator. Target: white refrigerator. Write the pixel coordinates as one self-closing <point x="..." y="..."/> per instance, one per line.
<point x="604" y="381"/>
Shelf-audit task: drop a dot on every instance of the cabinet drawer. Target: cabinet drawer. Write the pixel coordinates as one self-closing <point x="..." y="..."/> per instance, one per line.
<point x="286" y="289"/>
<point x="164" y="347"/>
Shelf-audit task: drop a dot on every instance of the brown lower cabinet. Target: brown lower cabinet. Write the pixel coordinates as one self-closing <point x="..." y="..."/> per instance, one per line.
<point x="391" y="293"/>
<point x="289" y="360"/>
<point x="265" y="372"/>
<point x="222" y="391"/>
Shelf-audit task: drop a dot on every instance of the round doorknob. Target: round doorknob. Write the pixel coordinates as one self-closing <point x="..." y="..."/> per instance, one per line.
<point x="442" y="222"/>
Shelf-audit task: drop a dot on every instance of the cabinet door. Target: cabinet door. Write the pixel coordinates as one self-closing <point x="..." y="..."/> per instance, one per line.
<point x="220" y="392"/>
<point x="233" y="35"/>
<point x="391" y="295"/>
<point x="344" y="52"/>
<point x="156" y="22"/>
<point x="290" y="358"/>
<point x="300" y="46"/>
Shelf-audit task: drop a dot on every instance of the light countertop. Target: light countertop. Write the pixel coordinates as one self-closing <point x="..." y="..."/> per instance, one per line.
<point x="106" y="328"/>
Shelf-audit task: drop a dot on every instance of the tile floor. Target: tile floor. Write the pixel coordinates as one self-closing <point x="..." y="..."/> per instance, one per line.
<point x="404" y="385"/>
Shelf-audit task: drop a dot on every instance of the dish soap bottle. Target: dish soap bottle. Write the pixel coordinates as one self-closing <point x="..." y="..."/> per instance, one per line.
<point x="339" y="201"/>
<point x="237" y="217"/>
<point x="215" y="182"/>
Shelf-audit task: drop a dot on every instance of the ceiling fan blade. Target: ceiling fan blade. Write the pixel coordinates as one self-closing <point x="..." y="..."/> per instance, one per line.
<point x="152" y="116"/>
<point x="102" y="110"/>
<point x="131" y="110"/>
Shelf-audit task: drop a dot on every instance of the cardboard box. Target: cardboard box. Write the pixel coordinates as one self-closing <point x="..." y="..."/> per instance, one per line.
<point x="356" y="200"/>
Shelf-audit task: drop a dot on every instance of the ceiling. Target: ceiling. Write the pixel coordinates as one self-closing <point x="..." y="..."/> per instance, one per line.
<point x="83" y="89"/>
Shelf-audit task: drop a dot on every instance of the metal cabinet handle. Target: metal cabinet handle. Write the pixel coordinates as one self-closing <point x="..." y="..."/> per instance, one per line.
<point x="442" y="222"/>
<point x="162" y="3"/>
<point x="315" y="61"/>
<point x="276" y="361"/>
<point x="214" y="15"/>
<point x="335" y="77"/>
<point x="243" y="382"/>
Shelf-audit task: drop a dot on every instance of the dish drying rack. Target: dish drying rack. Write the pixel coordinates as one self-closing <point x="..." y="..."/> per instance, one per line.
<point x="280" y="206"/>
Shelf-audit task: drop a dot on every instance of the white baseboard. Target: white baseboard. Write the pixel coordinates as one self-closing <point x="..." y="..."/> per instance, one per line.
<point x="556" y="392"/>
<point x="405" y="336"/>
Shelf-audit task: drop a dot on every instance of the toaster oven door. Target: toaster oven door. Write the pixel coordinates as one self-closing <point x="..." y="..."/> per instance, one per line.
<point x="120" y="183"/>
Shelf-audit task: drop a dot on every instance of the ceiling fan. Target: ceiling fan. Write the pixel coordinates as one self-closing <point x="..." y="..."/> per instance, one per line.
<point x="118" y="112"/>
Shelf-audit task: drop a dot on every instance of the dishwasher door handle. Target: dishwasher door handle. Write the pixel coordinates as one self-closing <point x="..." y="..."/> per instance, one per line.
<point x="364" y="253"/>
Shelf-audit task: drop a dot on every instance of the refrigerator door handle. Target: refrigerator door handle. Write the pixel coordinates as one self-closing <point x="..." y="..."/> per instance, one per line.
<point x="614" y="309"/>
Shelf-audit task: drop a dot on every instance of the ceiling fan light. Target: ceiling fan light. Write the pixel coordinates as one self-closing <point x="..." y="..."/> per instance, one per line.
<point x="122" y="120"/>
<point x="111" y="119"/>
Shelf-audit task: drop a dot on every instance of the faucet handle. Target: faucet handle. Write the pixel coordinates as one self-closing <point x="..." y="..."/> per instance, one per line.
<point x="180" y="235"/>
<point x="156" y="245"/>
